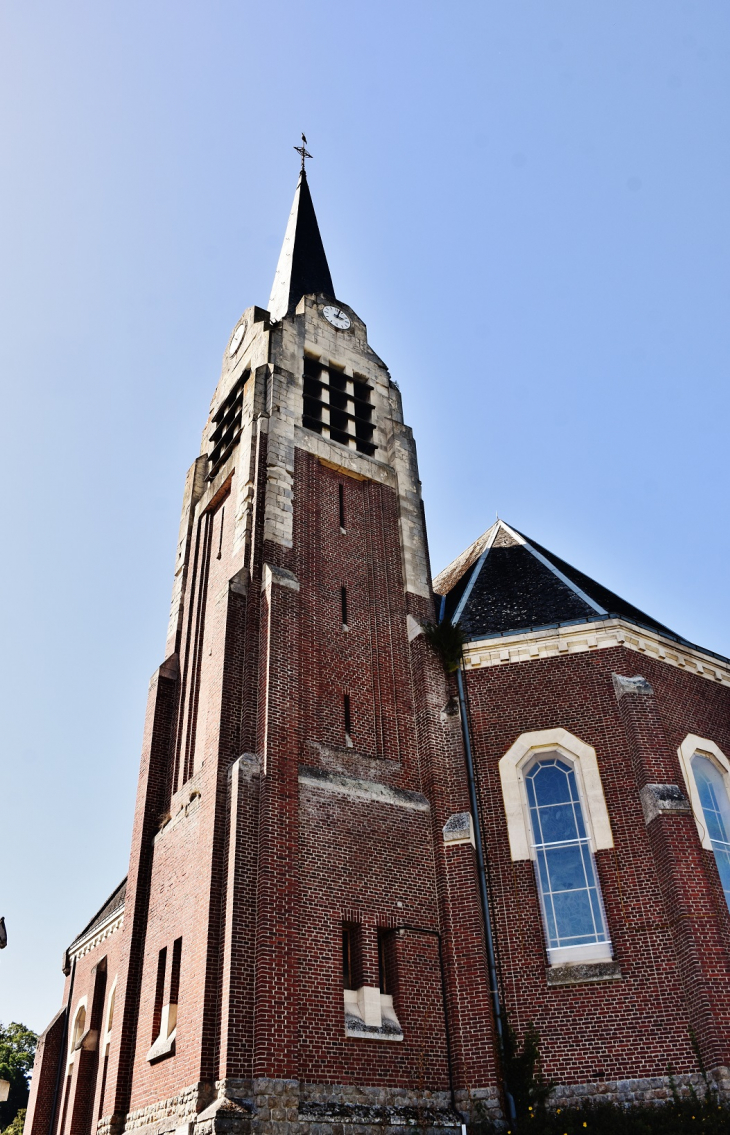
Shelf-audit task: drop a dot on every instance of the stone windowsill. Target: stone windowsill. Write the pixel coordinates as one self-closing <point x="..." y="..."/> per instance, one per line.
<point x="369" y="1014"/>
<point x="578" y="973"/>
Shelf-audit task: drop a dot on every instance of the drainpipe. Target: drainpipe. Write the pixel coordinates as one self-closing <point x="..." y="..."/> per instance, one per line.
<point x="62" y="1053"/>
<point x="447" y="1031"/>
<point x="483" y="891"/>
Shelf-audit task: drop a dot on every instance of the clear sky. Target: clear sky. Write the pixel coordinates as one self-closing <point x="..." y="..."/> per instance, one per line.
<point x="527" y="202"/>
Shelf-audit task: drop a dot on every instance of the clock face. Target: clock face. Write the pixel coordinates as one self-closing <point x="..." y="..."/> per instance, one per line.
<point x="336" y="317"/>
<point x="237" y="339"/>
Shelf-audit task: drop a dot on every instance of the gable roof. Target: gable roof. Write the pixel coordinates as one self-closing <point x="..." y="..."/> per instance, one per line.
<point x="504" y="583"/>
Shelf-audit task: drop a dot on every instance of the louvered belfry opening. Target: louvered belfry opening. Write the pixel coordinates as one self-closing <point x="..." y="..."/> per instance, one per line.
<point x="338" y="406"/>
<point x="226" y="427"/>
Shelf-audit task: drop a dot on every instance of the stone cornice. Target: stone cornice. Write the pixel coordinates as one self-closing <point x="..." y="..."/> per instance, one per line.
<point x="553" y="642"/>
<point x="97" y="934"/>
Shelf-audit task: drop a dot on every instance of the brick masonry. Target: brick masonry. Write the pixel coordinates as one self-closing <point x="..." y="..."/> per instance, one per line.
<point x="297" y="774"/>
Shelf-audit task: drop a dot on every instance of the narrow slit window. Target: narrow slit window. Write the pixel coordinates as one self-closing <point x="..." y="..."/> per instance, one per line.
<point x="348" y="972"/>
<point x="341" y="495"/>
<point x="343" y="602"/>
<point x="175" y="971"/>
<point x="383" y="961"/>
<point x="159" y="992"/>
<point x="220" y="534"/>
<point x="347" y="715"/>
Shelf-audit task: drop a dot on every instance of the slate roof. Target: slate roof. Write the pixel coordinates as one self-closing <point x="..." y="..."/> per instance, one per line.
<point x="113" y="903"/>
<point x="302" y="269"/>
<point x="505" y="583"/>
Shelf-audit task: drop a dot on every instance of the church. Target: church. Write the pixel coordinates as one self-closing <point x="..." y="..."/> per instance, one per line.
<point x="384" y="820"/>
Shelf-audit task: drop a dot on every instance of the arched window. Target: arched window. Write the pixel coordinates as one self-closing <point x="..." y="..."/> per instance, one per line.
<point x="566" y="874"/>
<point x="556" y="815"/>
<point x="712" y="790"/>
<point x="706" y="772"/>
<point x="79" y="1026"/>
<point x="78" y="1030"/>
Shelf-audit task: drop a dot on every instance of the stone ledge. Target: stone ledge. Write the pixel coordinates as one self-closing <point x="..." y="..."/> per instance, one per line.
<point x="356" y="788"/>
<point x="356" y="1028"/>
<point x="659" y="798"/>
<point x="458" y="829"/>
<point x="577" y="973"/>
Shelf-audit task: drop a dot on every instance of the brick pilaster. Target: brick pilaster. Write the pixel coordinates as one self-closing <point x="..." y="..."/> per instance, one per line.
<point x="695" y="909"/>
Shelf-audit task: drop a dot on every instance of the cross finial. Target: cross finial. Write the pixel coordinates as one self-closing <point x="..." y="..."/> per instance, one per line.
<point x="303" y="151"/>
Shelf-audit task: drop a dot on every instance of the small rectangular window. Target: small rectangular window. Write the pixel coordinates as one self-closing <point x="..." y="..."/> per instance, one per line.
<point x="343" y="601"/>
<point x="159" y="992"/>
<point x="351" y="967"/>
<point x="342" y="506"/>
<point x="347" y="714"/>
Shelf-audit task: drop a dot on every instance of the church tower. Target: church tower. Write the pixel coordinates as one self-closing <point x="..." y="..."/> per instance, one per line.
<point x="303" y="858"/>
<point x="360" y="836"/>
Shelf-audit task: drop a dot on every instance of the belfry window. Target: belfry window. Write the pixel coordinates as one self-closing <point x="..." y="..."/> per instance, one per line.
<point x="338" y="406"/>
<point x="570" y="894"/>
<point x="712" y="789"/>
<point x="227" y="422"/>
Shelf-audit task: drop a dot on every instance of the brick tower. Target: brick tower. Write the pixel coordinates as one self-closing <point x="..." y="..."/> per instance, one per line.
<point x="283" y="946"/>
<point x="345" y="863"/>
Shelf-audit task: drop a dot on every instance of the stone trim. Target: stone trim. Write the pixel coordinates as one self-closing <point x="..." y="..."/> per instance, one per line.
<point x="693" y="744"/>
<point x="601" y="634"/>
<point x="636" y="686"/>
<point x="358" y="789"/>
<point x="657" y="799"/>
<point x="582" y="756"/>
<point x="458" y="829"/>
<point x="279" y="575"/>
<point x="580" y="973"/>
<point x="98" y="935"/>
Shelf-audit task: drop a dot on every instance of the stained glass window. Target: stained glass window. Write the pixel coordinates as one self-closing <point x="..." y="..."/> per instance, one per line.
<point x="716" y="810"/>
<point x="566" y="873"/>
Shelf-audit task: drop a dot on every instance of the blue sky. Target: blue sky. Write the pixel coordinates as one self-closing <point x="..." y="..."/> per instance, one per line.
<point x="527" y="202"/>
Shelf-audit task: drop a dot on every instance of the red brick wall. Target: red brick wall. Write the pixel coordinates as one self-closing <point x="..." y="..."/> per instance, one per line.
<point x="638" y="1025"/>
<point x="370" y="661"/>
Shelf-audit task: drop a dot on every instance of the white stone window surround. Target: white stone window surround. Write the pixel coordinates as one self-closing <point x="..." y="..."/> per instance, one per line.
<point x="109" y="1017"/>
<point x="703" y="747"/>
<point x="512" y="768"/>
<point x="77" y="1031"/>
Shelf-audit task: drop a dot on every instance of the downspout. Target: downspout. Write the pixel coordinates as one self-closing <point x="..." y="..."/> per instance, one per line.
<point x="447" y="1032"/>
<point x="62" y="1053"/>
<point x="483" y="890"/>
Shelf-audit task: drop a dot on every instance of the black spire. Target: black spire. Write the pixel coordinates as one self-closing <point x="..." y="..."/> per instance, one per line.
<point x="302" y="269"/>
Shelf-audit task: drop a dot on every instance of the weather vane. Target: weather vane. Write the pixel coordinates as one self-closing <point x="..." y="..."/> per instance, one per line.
<point x="303" y="151"/>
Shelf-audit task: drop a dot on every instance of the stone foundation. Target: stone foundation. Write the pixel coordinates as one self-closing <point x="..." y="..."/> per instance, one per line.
<point x="290" y="1107"/>
<point x="653" y="1089"/>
